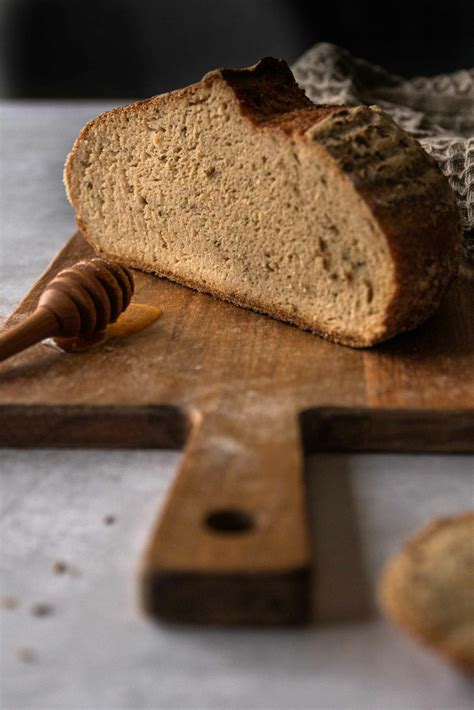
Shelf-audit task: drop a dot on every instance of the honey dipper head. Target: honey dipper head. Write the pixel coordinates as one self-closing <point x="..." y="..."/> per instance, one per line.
<point x="88" y="296"/>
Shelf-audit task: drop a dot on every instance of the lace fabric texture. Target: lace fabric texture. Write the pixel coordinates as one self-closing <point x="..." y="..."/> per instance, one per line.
<point x="437" y="110"/>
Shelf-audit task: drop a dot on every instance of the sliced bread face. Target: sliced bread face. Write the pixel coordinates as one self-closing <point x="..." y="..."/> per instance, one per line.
<point x="330" y="218"/>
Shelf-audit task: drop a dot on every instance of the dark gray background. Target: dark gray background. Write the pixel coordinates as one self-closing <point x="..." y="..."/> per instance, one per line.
<point x="133" y="48"/>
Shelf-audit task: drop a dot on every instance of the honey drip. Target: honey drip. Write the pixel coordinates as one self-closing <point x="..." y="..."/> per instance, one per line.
<point x="134" y="319"/>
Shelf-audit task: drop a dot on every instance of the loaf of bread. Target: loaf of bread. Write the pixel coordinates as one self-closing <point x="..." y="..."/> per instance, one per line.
<point x="328" y="217"/>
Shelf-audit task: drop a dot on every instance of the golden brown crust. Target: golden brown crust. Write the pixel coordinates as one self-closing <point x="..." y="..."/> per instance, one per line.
<point x="400" y="184"/>
<point x="264" y="90"/>
<point x="408" y="587"/>
<point x="410" y="198"/>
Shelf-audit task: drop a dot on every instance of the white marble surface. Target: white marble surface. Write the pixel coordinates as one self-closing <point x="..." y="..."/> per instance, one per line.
<point x="35" y="216"/>
<point x="96" y="651"/>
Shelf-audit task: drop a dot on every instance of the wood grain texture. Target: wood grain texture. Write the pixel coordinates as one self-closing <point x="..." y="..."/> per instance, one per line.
<point x="249" y="395"/>
<point x="235" y="520"/>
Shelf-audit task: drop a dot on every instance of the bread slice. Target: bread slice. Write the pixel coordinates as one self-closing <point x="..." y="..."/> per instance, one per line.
<point x="428" y="587"/>
<point x="328" y="217"/>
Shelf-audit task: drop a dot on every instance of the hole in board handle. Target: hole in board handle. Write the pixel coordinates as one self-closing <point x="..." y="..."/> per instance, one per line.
<point x="231" y="521"/>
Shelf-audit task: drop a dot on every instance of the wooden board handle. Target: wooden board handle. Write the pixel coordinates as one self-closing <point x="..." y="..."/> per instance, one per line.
<point x="232" y="543"/>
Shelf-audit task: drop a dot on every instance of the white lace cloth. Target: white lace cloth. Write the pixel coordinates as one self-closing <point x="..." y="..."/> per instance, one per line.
<point x="438" y="111"/>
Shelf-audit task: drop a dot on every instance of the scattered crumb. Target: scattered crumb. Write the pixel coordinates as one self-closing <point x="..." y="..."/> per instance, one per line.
<point x="42" y="609"/>
<point x="25" y="655"/>
<point x="7" y="602"/>
<point x="59" y="567"/>
<point x="109" y="519"/>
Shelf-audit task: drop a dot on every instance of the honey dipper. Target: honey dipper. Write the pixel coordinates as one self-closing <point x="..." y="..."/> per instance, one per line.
<point x="80" y="301"/>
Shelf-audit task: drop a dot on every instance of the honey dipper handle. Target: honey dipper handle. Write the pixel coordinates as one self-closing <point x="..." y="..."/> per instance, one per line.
<point x="40" y="325"/>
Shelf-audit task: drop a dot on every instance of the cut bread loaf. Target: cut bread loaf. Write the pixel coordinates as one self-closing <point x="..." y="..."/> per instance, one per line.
<point x="331" y="218"/>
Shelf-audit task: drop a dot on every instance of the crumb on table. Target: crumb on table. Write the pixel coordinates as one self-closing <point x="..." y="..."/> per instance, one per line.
<point x="25" y="655"/>
<point x="42" y="609"/>
<point x="8" y="602"/>
<point x="61" y="567"/>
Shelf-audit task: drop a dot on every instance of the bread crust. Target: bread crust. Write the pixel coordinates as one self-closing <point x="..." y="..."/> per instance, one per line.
<point x="411" y="200"/>
<point x="422" y="227"/>
<point x="397" y="593"/>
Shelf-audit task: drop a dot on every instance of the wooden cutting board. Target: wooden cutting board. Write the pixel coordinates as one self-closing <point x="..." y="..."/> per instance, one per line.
<point x="247" y="397"/>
